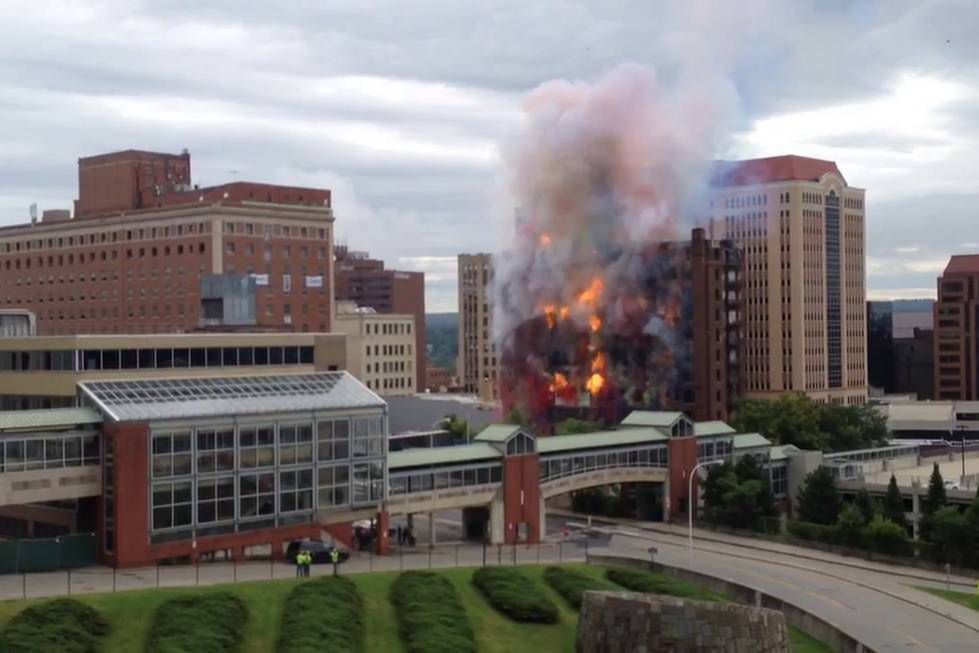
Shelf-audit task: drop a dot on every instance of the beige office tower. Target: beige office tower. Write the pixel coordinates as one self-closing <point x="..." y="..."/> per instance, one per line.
<point x="478" y="367"/>
<point x="801" y="228"/>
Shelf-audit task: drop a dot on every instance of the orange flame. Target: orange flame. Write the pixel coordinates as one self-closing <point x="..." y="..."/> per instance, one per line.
<point x="545" y="240"/>
<point x="550" y="312"/>
<point x="559" y="383"/>
<point x="564" y="312"/>
<point x="595" y="383"/>
<point x="599" y="363"/>
<point x="591" y="294"/>
<point x="595" y="323"/>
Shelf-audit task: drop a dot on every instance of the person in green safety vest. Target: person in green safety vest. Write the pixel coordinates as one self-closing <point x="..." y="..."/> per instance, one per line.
<point x="335" y="559"/>
<point x="299" y="563"/>
<point x="307" y="561"/>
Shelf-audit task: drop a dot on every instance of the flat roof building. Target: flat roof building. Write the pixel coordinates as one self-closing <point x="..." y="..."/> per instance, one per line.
<point x="380" y="348"/>
<point x="801" y="229"/>
<point x="956" y="336"/>
<point x="477" y="363"/>
<point x="147" y="252"/>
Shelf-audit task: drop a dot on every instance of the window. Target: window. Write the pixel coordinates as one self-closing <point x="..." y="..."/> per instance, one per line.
<point x="256" y="495"/>
<point x="215" y="450"/>
<point x="295" y="444"/>
<point x="171" y="454"/>
<point x="520" y="444"/>
<point x="171" y="504"/>
<point x="295" y="490"/>
<point x="334" y="485"/>
<point x="368" y="482"/>
<point x="256" y="446"/>
<point x="368" y="436"/>
<point x="215" y="500"/>
<point x="333" y="439"/>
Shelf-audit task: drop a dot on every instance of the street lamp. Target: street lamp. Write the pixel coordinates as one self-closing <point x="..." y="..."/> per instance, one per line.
<point x="690" y="502"/>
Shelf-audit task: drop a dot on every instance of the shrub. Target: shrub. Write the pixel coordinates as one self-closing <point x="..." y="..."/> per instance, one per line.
<point x="649" y="583"/>
<point x="814" y="532"/>
<point x="200" y="623"/>
<point x="884" y="536"/>
<point x="515" y="595"/>
<point x="431" y="618"/>
<point x="850" y="527"/>
<point x="571" y="584"/>
<point x="62" y="625"/>
<point x="323" y="614"/>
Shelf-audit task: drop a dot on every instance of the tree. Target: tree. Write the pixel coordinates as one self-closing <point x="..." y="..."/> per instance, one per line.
<point x="737" y="495"/>
<point x="936" y="498"/>
<point x="849" y="526"/>
<point x="819" y="502"/>
<point x="887" y="537"/>
<point x="517" y="418"/>
<point x="572" y="425"/>
<point x="951" y="534"/>
<point x="865" y="504"/>
<point x="458" y="428"/>
<point x="715" y="485"/>
<point x="893" y="507"/>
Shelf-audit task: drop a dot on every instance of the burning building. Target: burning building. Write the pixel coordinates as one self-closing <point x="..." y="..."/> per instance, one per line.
<point x="668" y="340"/>
<point x="599" y="306"/>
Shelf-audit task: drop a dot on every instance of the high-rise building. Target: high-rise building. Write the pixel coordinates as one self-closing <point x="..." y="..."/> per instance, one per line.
<point x="365" y="281"/>
<point x="899" y="346"/>
<point x="956" y="320"/>
<point x="800" y="227"/>
<point x="146" y="252"/>
<point x="380" y="348"/>
<point x="477" y="365"/>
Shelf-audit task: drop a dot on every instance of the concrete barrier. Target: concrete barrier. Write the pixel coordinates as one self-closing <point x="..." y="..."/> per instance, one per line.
<point x="825" y="631"/>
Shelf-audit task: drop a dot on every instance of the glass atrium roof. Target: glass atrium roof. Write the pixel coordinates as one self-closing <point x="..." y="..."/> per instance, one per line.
<point x="158" y="399"/>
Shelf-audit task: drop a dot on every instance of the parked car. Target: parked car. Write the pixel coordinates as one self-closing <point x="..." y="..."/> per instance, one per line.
<point x="319" y="549"/>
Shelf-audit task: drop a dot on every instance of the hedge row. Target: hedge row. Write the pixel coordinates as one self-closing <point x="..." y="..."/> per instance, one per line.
<point x="880" y="536"/>
<point x="431" y="618"/>
<point x="208" y="623"/>
<point x="323" y="614"/>
<point x="62" y="625"/>
<point x="571" y="584"/>
<point x="515" y="595"/>
<point x="649" y="583"/>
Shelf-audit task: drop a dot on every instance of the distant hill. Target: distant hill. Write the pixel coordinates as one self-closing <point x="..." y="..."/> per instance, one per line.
<point x="442" y="332"/>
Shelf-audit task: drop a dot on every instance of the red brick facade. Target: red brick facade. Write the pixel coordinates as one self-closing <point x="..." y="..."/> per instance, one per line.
<point x="521" y="498"/>
<point x="683" y="458"/>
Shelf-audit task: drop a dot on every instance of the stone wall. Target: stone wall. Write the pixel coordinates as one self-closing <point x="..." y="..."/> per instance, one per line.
<point x="628" y="622"/>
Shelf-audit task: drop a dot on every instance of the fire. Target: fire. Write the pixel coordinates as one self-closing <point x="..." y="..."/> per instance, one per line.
<point x="559" y="383"/>
<point x="599" y="363"/>
<point x="595" y="383"/>
<point x="550" y="312"/>
<point x="591" y="294"/>
<point x="564" y="312"/>
<point x="545" y="240"/>
<point x="595" y="323"/>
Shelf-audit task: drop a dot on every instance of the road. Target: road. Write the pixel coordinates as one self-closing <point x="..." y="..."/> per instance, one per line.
<point x="879" y="608"/>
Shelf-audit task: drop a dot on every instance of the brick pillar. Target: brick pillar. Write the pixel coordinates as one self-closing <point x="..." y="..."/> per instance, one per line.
<point x="521" y="497"/>
<point x="383" y="543"/>
<point x="682" y="460"/>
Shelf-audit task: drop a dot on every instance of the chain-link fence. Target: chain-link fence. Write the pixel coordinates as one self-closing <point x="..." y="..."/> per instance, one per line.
<point x="35" y="584"/>
<point x="38" y="555"/>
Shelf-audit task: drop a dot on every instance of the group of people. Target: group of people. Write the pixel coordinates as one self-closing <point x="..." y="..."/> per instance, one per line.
<point x="303" y="560"/>
<point x="406" y="536"/>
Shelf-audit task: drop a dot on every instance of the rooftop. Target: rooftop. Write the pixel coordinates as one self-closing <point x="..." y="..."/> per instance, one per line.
<point x="160" y="399"/>
<point x="788" y="167"/>
<point x="715" y="427"/>
<point x="963" y="264"/>
<point x="498" y="433"/>
<point x="36" y="420"/>
<point x="750" y="441"/>
<point x="556" y="444"/>
<point x="442" y="455"/>
<point x="651" y="418"/>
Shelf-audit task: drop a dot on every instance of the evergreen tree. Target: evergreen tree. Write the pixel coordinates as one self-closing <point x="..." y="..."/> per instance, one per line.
<point x="819" y="502"/>
<point x="893" y="508"/>
<point x="865" y="504"/>
<point x="936" y="499"/>
<point x="714" y="487"/>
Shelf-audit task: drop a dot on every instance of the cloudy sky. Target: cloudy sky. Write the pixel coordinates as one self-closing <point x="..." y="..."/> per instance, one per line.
<point x="401" y="107"/>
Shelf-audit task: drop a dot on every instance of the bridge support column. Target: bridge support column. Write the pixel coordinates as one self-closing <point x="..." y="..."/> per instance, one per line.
<point x="497" y="523"/>
<point x="542" y="513"/>
<point x="383" y="543"/>
<point x="431" y="529"/>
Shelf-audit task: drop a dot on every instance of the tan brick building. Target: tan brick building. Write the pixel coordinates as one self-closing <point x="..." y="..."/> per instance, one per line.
<point x="956" y="320"/>
<point x="801" y="229"/>
<point x="147" y="252"/>
<point x="380" y="348"/>
<point x="478" y="365"/>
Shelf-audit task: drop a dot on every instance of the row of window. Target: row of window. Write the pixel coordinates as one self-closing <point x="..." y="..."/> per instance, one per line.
<point x="105" y="255"/>
<point x="156" y="358"/>
<point x="554" y="468"/>
<point x="53" y="452"/>
<point x="116" y="235"/>
<point x="388" y="329"/>
<point x="410" y="482"/>
<point x="274" y="230"/>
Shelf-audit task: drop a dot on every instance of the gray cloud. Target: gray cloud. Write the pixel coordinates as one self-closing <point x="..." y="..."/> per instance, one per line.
<point x="399" y="107"/>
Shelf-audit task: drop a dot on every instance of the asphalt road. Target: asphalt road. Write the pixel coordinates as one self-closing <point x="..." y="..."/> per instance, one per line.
<point x="881" y="609"/>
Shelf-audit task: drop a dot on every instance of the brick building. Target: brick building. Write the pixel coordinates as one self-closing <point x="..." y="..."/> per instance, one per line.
<point x="380" y="348"/>
<point x="956" y="317"/>
<point x="366" y="282"/>
<point x="147" y="252"/>
<point x="477" y="365"/>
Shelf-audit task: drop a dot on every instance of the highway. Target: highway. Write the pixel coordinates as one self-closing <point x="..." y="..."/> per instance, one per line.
<point x="881" y="609"/>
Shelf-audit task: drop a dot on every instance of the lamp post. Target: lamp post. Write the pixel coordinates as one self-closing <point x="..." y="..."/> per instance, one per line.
<point x="690" y="502"/>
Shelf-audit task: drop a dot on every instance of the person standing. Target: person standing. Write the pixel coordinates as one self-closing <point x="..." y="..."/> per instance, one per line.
<point x="307" y="561"/>
<point x="335" y="559"/>
<point x="299" y="563"/>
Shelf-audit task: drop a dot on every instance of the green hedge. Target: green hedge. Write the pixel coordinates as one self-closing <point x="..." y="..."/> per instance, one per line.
<point x="431" y="618"/>
<point x="61" y="625"/>
<point x="649" y="583"/>
<point x="571" y="584"/>
<point x="515" y="595"/>
<point x="206" y="623"/>
<point x="326" y="614"/>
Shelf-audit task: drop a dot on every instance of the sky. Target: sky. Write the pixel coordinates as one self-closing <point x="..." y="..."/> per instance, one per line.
<point x="403" y="108"/>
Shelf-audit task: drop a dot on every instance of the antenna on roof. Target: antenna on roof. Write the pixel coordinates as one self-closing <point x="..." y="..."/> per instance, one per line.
<point x="33" y="213"/>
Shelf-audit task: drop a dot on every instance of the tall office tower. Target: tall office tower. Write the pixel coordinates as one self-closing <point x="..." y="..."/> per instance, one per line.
<point x="146" y="252"/>
<point x="801" y="230"/>
<point x="365" y="281"/>
<point x="956" y="320"/>
<point x="478" y="367"/>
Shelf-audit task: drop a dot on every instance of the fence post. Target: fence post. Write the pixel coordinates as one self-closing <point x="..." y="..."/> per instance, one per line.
<point x="457" y="555"/>
<point x="401" y="557"/>
<point x="370" y="560"/>
<point x="24" y="582"/>
<point x="271" y="567"/>
<point x="484" y="554"/>
<point x="538" y="553"/>
<point x="113" y="577"/>
<point x="157" y="574"/>
<point x="197" y="572"/>
<point x="69" y="581"/>
<point x="499" y="554"/>
<point x="560" y="551"/>
<point x="514" y="554"/>
<point x="234" y="563"/>
<point x="429" y="557"/>
<point x="586" y="550"/>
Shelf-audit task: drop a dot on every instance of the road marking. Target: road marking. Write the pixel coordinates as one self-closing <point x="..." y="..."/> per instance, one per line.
<point x="914" y="641"/>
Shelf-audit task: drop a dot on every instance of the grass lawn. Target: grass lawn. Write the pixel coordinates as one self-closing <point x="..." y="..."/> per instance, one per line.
<point x="968" y="599"/>
<point x="129" y="614"/>
<point x="803" y="643"/>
